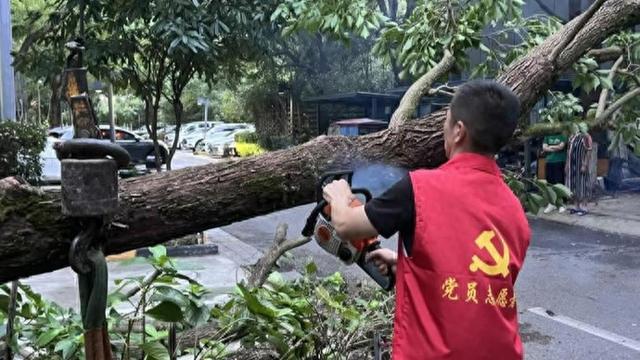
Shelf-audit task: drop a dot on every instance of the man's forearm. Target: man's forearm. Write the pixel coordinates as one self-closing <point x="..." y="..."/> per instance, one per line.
<point x="351" y="222"/>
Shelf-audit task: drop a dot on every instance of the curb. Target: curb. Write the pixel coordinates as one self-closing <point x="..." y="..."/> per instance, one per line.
<point x="605" y="226"/>
<point x="183" y="250"/>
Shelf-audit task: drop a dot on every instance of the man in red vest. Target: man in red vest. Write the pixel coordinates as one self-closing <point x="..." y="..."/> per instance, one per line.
<point x="463" y="237"/>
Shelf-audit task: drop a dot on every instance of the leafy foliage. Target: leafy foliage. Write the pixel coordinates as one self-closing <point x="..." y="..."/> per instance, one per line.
<point x="337" y="18"/>
<point x="536" y="194"/>
<point x="562" y="108"/>
<point x="20" y="148"/>
<point x="435" y="26"/>
<point x="308" y="318"/>
<point x="54" y="332"/>
<point x="500" y="51"/>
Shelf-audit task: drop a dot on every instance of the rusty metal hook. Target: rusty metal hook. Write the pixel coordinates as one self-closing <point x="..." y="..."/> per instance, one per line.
<point x="78" y="251"/>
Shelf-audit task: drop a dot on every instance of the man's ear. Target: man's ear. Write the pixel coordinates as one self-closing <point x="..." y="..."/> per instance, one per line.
<point x="459" y="132"/>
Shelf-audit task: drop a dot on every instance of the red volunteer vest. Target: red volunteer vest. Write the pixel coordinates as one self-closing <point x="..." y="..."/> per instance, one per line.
<point x="454" y="294"/>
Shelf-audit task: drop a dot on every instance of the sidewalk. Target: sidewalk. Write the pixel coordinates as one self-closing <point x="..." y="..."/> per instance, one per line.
<point x="218" y="273"/>
<point x="619" y="214"/>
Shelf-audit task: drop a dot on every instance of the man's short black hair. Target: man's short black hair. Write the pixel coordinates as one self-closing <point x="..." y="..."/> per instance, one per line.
<point x="489" y="111"/>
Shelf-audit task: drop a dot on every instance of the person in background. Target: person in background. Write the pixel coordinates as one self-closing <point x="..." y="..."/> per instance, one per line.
<point x="577" y="169"/>
<point x="554" y="147"/>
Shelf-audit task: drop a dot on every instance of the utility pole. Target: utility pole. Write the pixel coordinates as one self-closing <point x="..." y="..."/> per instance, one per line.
<point x="112" y="120"/>
<point x="7" y="85"/>
<point x="39" y="104"/>
<point x="205" y="102"/>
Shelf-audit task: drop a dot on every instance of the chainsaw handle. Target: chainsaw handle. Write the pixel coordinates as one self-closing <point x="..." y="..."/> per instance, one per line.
<point x="332" y="175"/>
<point x="387" y="282"/>
<point x="313" y="216"/>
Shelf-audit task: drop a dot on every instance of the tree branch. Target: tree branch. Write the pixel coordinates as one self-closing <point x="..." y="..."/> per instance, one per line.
<point x="604" y="94"/>
<point x="418" y="89"/>
<point x="145" y="282"/>
<point x="605" y="54"/>
<point x="261" y="269"/>
<point x="601" y="120"/>
<point x="568" y="38"/>
<point x="633" y="76"/>
<point x="444" y="90"/>
<point x="542" y="129"/>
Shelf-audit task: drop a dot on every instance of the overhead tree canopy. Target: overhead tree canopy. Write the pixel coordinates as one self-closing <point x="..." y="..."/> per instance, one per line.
<point x="160" y="207"/>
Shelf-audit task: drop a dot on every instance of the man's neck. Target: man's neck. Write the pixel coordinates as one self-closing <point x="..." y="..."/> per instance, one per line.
<point x="459" y="151"/>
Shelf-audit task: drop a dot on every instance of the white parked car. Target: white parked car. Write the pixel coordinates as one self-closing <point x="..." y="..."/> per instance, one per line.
<point x="198" y="127"/>
<point x="51" y="167"/>
<point x="223" y="143"/>
<point x="195" y="140"/>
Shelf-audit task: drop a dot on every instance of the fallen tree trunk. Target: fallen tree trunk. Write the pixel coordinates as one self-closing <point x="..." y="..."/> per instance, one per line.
<point x="35" y="237"/>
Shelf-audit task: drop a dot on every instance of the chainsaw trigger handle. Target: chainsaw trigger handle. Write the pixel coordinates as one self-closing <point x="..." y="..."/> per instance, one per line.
<point x="388" y="281"/>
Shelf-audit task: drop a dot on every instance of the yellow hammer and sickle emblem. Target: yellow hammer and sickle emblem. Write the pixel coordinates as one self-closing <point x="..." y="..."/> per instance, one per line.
<point x="483" y="241"/>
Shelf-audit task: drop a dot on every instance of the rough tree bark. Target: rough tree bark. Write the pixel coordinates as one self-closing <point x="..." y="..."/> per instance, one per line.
<point x="55" y="112"/>
<point x="35" y="237"/>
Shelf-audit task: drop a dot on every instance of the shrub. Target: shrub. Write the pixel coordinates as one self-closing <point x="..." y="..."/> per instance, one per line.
<point x="275" y="142"/>
<point x="20" y="148"/>
<point x="249" y="137"/>
<point x="247" y="149"/>
<point x="311" y="317"/>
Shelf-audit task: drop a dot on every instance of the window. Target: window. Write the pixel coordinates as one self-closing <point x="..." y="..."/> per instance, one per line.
<point x="123" y="135"/>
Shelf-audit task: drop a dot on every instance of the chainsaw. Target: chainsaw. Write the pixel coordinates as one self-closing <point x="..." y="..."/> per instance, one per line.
<point x="320" y="227"/>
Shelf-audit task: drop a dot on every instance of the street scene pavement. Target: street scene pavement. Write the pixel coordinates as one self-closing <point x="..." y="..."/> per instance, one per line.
<point x="577" y="293"/>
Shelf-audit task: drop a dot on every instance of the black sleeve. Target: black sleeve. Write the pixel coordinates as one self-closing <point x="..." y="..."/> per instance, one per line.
<point x="393" y="211"/>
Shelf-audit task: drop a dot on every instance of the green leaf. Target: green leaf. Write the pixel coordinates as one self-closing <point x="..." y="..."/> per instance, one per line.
<point x="167" y="293"/>
<point x="539" y="200"/>
<point x="532" y="206"/>
<point x="158" y="251"/>
<point x="68" y="348"/>
<point x="223" y="26"/>
<point x="606" y="83"/>
<point x="167" y="311"/>
<point x="276" y="278"/>
<point x="311" y="268"/>
<point x="277" y="13"/>
<point x="407" y="45"/>
<point x="45" y="338"/>
<point x="562" y="190"/>
<point x="155" y="351"/>
<point x="198" y="314"/>
<point x="4" y="303"/>
<point x="254" y="305"/>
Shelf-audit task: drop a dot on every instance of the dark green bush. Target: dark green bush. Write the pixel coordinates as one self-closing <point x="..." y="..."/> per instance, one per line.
<point x="249" y="137"/>
<point x="20" y="148"/>
<point x="274" y="142"/>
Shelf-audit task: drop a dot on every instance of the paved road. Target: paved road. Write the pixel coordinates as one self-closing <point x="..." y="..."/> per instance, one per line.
<point x="185" y="158"/>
